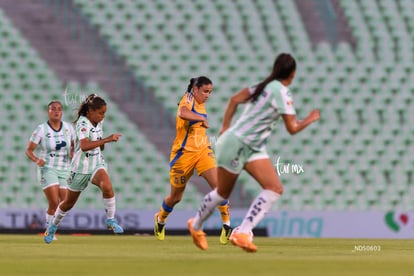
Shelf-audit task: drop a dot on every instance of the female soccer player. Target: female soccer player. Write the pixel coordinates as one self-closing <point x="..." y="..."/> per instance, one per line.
<point x="243" y="146"/>
<point x="191" y="150"/>
<point x="88" y="164"/>
<point x="56" y="140"/>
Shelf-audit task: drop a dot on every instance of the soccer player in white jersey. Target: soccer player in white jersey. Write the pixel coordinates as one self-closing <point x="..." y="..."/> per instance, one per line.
<point x="88" y="165"/>
<point x="243" y="147"/>
<point x="55" y="139"/>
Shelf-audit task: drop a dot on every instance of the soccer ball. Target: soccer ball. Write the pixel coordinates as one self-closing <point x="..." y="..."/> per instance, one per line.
<point x="236" y="229"/>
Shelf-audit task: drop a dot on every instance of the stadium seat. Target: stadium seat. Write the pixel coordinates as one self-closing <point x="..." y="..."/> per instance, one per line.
<point x="364" y="94"/>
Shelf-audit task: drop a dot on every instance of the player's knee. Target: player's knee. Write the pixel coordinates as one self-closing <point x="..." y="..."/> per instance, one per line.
<point x="66" y="206"/>
<point x="53" y="205"/>
<point x="52" y="209"/>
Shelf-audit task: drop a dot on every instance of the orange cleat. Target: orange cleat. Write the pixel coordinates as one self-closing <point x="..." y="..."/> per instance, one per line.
<point x="242" y="240"/>
<point x="199" y="237"/>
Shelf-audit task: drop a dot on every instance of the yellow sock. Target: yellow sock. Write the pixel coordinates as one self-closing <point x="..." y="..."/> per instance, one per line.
<point x="224" y="213"/>
<point x="165" y="211"/>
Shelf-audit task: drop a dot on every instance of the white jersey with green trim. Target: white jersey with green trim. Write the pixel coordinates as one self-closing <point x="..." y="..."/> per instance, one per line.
<point x="54" y="144"/>
<point x="84" y="162"/>
<point x="259" y="118"/>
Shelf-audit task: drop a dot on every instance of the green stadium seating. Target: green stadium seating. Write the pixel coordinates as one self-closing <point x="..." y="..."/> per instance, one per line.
<point x="26" y="98"/>
<point x="358" y="157"/>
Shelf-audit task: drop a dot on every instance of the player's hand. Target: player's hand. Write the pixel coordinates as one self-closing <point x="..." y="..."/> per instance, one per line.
<point x="40" y="162"/>
<point x="204" y="123"/>
<point x="315" y="115"/>
<point x="113" y="137"/>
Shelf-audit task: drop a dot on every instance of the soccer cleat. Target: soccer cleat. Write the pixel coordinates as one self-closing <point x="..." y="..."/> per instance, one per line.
<point x="225" y="234"/>
<point x="55" y="238"/>
<point x="199" y="237"/>
<point x="242" y="240"/>
<point x="159" y="229"/>
<point x="50" y="233"/>
<point x="114" y="226"/>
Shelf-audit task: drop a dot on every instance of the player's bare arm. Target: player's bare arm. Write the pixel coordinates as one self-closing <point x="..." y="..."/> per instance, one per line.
<point x="293" y="125"/>
<point x="30" y="154"/>
<point x="86" y="144"/>
<point x="241" y="97"/>
<point x="186" y="114"/>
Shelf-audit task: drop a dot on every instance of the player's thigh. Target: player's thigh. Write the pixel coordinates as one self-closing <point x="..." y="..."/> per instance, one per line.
<point x="48" y="177"/>
<point x="52" y="194"/>
<point x="182" y="170"/>
<point x="264" y="173"/>
<point x="230" y="153"/>
<point x="100" y="178"/>
<point x="207" y="168"/>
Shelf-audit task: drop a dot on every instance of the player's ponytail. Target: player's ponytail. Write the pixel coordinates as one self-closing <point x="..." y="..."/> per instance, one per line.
<point x="191" y="85"/>
<point x="283" y="67"/>
<point x="93" y="102"/>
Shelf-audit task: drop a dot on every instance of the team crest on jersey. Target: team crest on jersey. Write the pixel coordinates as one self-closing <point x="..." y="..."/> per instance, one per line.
<point x="83" y="129"/>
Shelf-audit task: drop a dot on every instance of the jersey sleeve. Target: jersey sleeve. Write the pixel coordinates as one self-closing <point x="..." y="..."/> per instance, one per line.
<point x="37" y="135"/>
<point x="82" y="129"/>
<point x="187" y="100"/>
<point x="72" y="132"/>
<point x="252" y="89"/>
<point x="285" y="102"/>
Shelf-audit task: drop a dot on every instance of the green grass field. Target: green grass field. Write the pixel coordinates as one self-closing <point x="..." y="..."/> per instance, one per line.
<point x="144" y="255"/>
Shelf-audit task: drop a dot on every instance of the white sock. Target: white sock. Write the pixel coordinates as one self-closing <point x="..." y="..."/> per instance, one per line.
<point x="259" y="207"/>
<point x="59" y="215"/>
<point x="109" y="204"/>
<point x="209" y="204"/>
<point x="48" y="219"/>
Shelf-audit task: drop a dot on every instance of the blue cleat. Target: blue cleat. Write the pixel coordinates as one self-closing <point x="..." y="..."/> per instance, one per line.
<point x="49" y="235"/>
<point x="114" y="226"/>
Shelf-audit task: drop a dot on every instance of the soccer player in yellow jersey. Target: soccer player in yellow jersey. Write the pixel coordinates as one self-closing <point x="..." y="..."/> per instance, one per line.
<point x="191" y="150"/>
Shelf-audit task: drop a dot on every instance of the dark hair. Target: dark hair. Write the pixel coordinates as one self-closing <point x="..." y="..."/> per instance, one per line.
<point x="93" y="102"/>
<point x="199" y="81"/>
<point x="283" y="67"/>
<point x="54" y="101"/>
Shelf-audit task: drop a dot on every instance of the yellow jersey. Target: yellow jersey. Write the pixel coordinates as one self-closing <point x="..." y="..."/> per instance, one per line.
<point x="190" y="135"/>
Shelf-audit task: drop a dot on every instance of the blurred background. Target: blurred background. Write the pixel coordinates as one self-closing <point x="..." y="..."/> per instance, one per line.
<point x="355" y="63"/>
